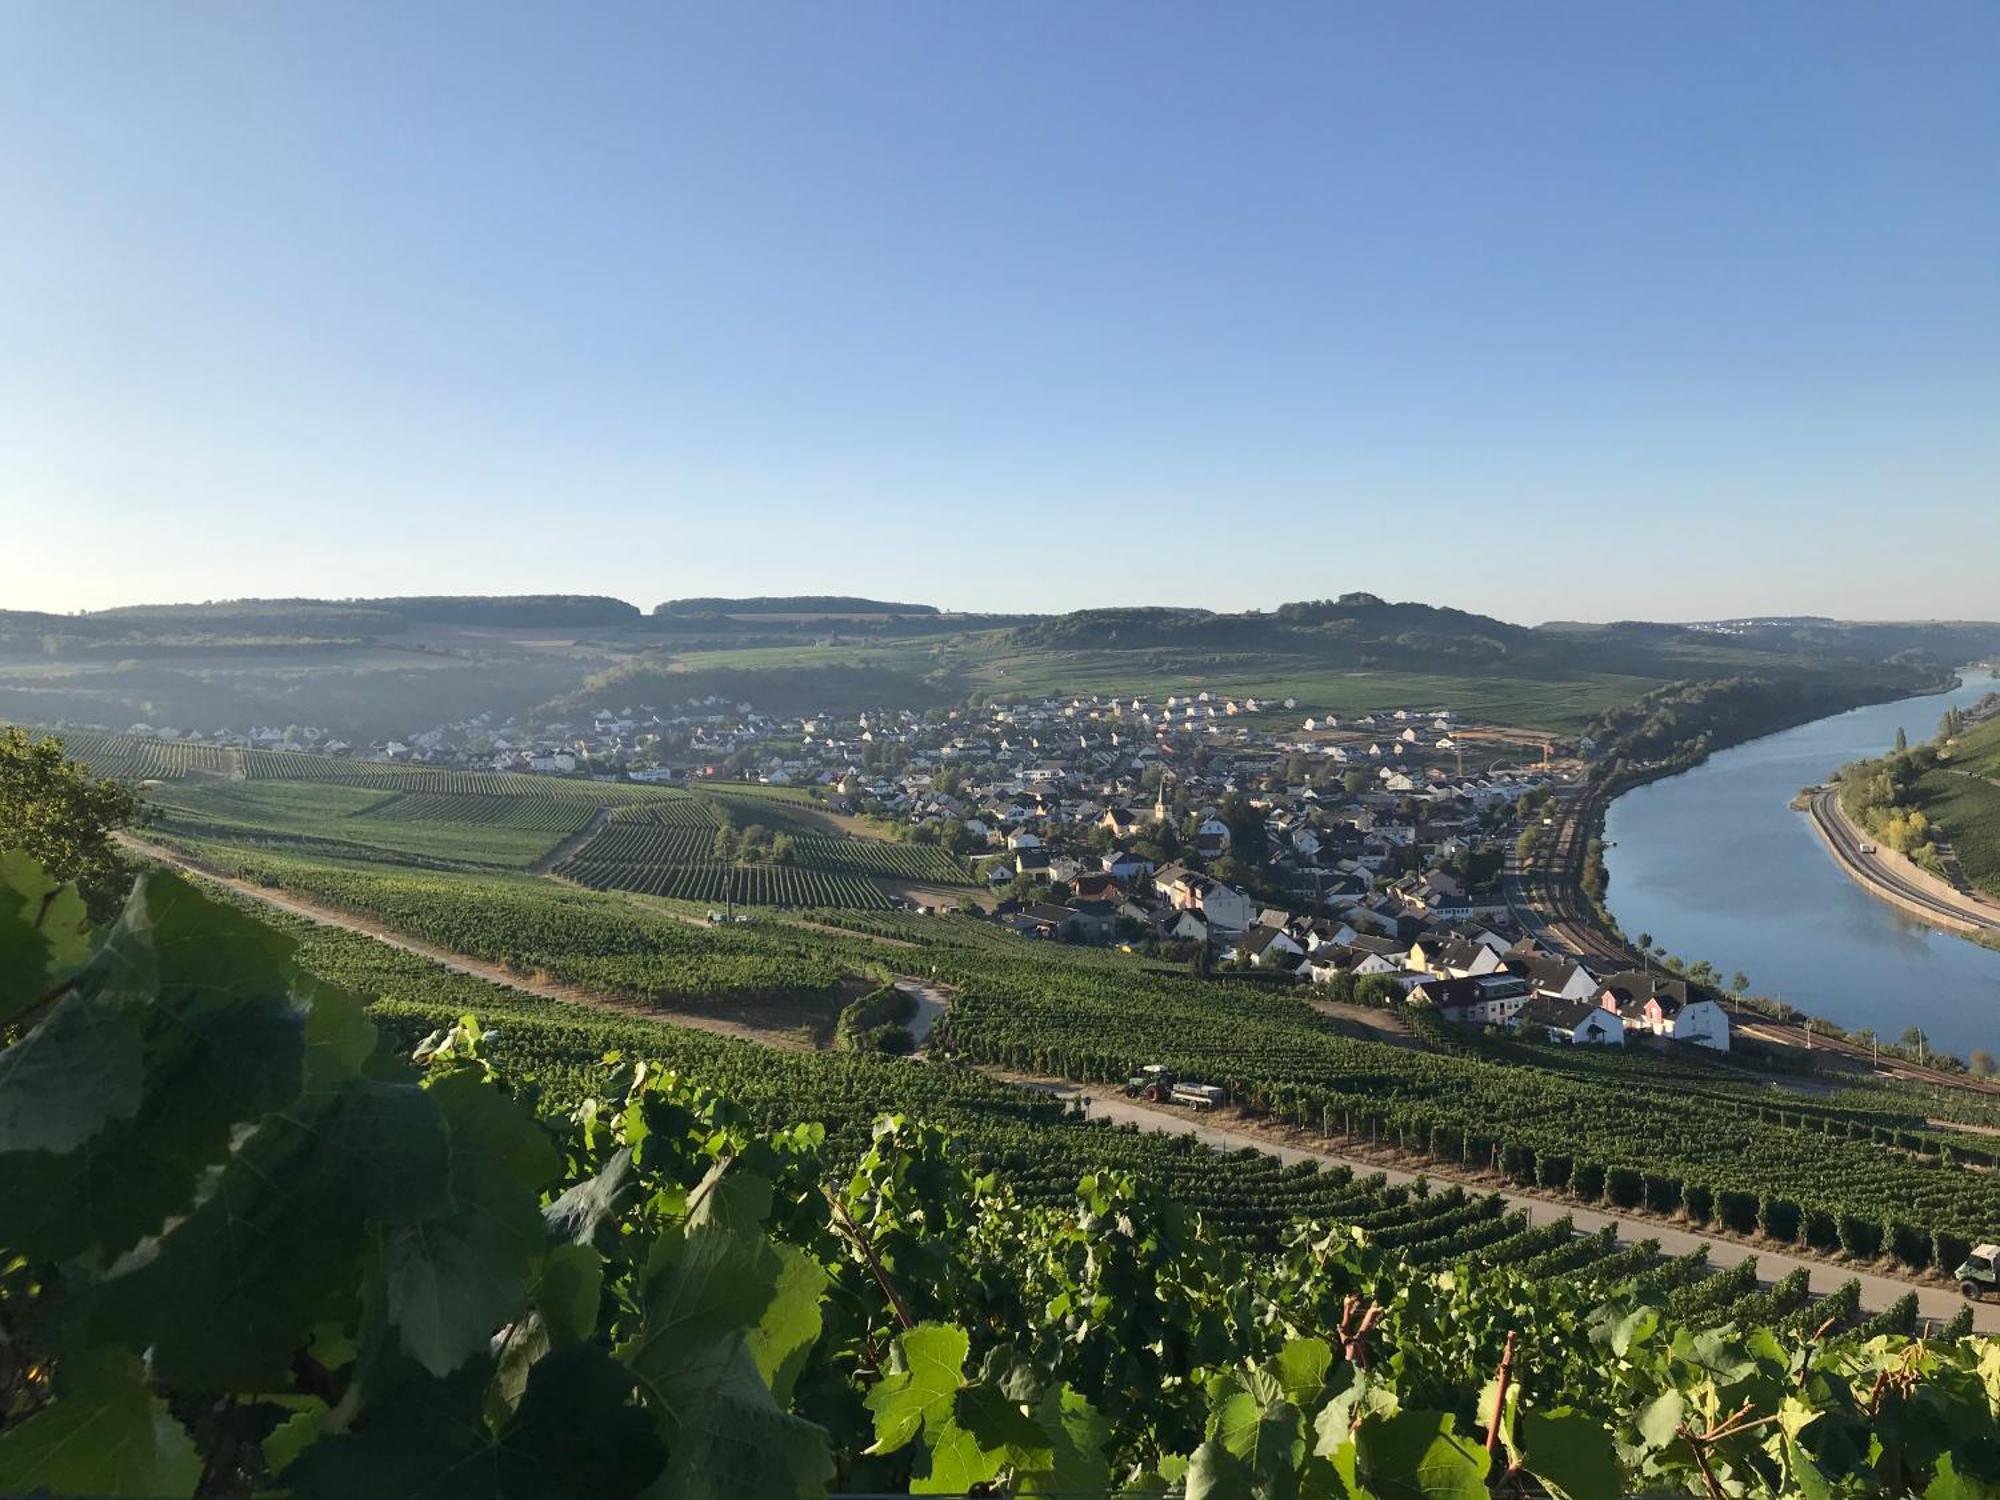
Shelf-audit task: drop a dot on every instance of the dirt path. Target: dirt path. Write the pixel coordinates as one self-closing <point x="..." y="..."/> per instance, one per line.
<point x="547" y="989"/>
<point x="932" y="1002"/>
<point x="1877" y="1291"/>
<point x="574" y="842"/>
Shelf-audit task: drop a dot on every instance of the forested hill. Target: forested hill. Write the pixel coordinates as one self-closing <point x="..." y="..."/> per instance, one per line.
<point x="1353" y="619"/>
<point x="323" y="618"/>
<point x="792" y="604"/>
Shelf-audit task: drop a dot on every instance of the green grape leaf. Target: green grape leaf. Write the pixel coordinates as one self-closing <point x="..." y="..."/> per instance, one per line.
<point x="1214" y="1473"/>
<point x="933" y="1358"/>
<point x="999" y="1425"/>
<point x="578" y="1432"/>
<point x="104" y="1434"/>
<point x="44" y="933"/>
<point x="226" y="1294"/>
<point x="592" y="1206"/>
<point x="210" y="1060"/>
<point x="704" y="1290"/>
<point x="292" y="1437"/>
<point x="567" y="1292"/>
<point x="1416" y="1453"/>
<point x="1302" y="1368"/>
<point x="77" y="1073"/>
<point x="1571" y="1454"/>
<point x="784" y="1337"/>
<point x="1077" y="1438"/>
<point x="453" y="1279"/>
<point x="1660" y="1420"/>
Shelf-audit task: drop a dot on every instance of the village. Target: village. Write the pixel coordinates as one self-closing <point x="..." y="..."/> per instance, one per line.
<point x="1361" y="854"/>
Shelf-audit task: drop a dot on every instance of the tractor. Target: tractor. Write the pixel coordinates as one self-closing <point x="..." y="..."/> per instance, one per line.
<point x="1154" y="1082"/>
<point x="1979" y="1272"/>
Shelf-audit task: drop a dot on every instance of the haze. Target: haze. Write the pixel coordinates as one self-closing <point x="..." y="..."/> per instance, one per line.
<point x="1551" y="311"/>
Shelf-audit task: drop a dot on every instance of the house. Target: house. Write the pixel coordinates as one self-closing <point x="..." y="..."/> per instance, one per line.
<point x="1211" y="836"/>
<point x="1667" y="1008"/>
<point x="1477" y="1000"/>
<point x="1555" y="977"/>
<point x="1450" y="956"/>
<point x="1224" y="908"/>
<point x="1578" y="1022"/>
<point x="1126" y="867"/>
<point x="1270" y="947"/>
<point x="1122" y="821"/>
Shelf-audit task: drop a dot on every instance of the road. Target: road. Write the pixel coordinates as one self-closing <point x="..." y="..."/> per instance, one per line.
<point x="1940" y="1303"/>
<point x="1933" y="901"/>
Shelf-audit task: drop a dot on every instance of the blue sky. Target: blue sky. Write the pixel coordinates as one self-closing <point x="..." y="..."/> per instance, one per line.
<point x="1547" y="310"/>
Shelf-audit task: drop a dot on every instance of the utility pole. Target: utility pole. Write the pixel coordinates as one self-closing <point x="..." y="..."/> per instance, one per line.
<point x="1808" y="1033"/>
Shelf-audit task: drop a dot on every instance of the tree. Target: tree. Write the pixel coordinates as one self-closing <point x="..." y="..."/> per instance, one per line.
<point x="64" y="817"/>
<point x="1983" y="1064"/>
<point x="1738" y="982"/>
<point x="1355" y="782"/>
<point x="1902" y="739"/>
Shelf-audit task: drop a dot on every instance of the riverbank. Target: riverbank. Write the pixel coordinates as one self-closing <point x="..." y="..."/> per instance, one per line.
<point x="1894" y="878"/>
<point x="1716" y="864"/>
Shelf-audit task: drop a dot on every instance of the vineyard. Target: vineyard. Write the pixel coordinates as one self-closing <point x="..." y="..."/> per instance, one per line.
<point x="124" y="757"/>
<point x="668" y="849"/>
<point x="1865" y="1175"/>
<point x="354" y="1252"/>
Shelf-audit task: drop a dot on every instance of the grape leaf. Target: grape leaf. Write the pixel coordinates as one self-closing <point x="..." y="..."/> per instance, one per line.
<point x="226" y="1294"/>
<point x="1571" y="1454"/>
<point x="454" y="1278"/>
<point x="1077" y="1438"/>
<point x="932" y="1361"/>
<point x="105" y="1434"/>
<point x="44" y="933"/>
<point x="705" y="1289"/>
<point x="1416" y="1453"/>
<point x="784" y="1337"/>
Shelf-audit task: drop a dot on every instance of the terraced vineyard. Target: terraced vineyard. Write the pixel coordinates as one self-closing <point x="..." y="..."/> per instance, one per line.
<point x="667" y="848"/>
<point x="124" y="757"/>
<point x="712" y="881"/>
<point x="1039" y="1149"/>
<point x="560" y="816"/>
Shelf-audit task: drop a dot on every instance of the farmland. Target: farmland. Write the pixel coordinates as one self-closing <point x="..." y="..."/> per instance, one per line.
<point x="1861" y="1174"/>
<point x="1967" y="807"/>
<point x="656" y="841"/>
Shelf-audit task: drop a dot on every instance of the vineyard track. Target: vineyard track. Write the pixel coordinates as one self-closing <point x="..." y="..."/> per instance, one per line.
<point x="574" y="842"/>
<point x="1933" y="1302"/>
<point x="328" y="916"/>
<point x="1877" y="1291"/>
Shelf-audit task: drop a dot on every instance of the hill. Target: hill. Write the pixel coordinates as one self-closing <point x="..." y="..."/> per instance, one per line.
<point x="791" y="604"/>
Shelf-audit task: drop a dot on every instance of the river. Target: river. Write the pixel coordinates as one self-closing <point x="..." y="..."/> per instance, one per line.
<point x="1715" y="865"/>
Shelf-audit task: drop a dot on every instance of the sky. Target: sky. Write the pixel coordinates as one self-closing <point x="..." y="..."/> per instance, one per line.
<point x="1547" y="310"/>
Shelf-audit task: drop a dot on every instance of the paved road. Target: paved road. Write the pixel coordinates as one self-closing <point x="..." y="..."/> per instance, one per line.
<point x="1934" y="901"/>
<point x="1877" y="1292"/>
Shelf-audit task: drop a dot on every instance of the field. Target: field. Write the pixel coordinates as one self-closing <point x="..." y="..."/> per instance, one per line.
<point x="1038" y="1149"/>
<point x="122" y="757"/>
<point x="1967" y="807"/>
<point x="655" y="841"/>
<point x="1866" y="1174"/>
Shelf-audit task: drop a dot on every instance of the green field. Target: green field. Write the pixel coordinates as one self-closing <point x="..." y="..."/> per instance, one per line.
<point x="1967" y="807"/>
<point x="1683" y="1134"/>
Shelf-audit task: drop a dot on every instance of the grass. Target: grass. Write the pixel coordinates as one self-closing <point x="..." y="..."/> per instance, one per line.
<point x="1968" y="810"/>
<point x="331" y="819"/>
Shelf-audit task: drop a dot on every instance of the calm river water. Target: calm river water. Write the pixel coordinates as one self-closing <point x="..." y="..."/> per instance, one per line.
<point x="1715" y="865"/>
